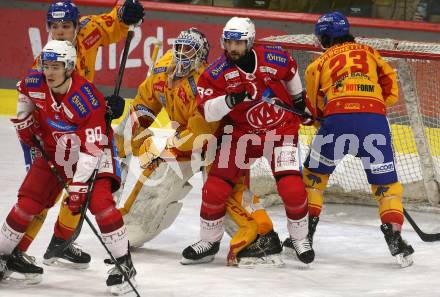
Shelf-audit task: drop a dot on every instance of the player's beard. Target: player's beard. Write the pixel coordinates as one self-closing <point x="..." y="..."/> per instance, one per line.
<point x="234" y="55"/>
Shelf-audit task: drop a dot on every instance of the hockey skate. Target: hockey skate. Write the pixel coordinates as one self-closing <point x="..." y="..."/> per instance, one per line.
<point x="116" y="282"/>
<point x="22" y="269"/>
<point x="288" y="244"/>
<point x="398" y="247"/>
<point x="71" y="257"/>
<point x="303" y="250"/>
<point x="264" y="251"/>
<point x="200" y="252"/>
<point x="3" y="266"/>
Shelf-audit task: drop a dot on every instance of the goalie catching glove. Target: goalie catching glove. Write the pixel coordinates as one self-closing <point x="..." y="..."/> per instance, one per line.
<point x="155" y="148"/>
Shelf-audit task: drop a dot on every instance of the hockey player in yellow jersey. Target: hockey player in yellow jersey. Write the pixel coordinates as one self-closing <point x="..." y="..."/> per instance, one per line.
<point x="350" y="86"/>
<point x="87" y="34"/>
<point x="173" y="86"/>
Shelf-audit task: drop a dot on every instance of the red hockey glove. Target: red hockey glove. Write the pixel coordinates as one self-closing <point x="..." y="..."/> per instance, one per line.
<point x="26" y="128"/>
<point x="237" y="93"/>
<point x="77" y="196"/>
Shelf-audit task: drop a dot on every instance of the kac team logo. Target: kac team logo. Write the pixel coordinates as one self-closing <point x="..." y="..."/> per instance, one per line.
<point x="264" y="115"/>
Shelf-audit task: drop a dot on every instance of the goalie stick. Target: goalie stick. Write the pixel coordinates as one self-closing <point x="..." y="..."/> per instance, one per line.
<point x="125" y="162"/>
<point x="426" y="237"/>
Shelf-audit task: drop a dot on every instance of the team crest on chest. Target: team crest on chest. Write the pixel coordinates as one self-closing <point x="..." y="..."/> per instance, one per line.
<point x="263" y="115"/>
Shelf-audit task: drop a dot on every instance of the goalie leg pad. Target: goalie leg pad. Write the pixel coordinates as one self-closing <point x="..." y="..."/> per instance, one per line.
<point x="390" y="202"/>
<point x="66" y="222"/>
<point x="247" y="229"/>
<point x="157" y="205"/>
<point x="32" y="231"/>
<point x="315" y="185"/>
<point x="251" y="203"/>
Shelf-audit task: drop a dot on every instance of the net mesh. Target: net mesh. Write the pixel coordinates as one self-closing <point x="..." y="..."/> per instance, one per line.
<point x="349" y="182"/>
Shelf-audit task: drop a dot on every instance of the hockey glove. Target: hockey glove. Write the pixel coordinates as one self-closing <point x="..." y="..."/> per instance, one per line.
<point x="236" y="93"/>
<point x="26" y="128"/>
<point x="115" y="106"/>
<point x="152" y="151"/>
<point x="77" y="196"/>
<point x="299" y="101"/>
<point x="131" y="13"/>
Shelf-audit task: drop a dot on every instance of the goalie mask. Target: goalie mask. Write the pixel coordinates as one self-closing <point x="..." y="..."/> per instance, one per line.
<point x="60" y="51"/>
<point x="190" y="51"/>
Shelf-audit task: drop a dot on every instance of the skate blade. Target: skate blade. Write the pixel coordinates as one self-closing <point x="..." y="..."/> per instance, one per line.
<point x="290" y="252"/>
<point x="404" y="261"/>
<point x="264" y="262"/>
<point x="59" y="262"/>
<point x="18" y="279"/>
<point x="122" y="289"/>
<point x="203" y="260"/>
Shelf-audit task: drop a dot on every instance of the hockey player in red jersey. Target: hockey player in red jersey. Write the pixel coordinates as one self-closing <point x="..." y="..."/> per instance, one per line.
<point x="87" y="33"/>
<point x="67" y="114"/>
<point x="231" y="90"/>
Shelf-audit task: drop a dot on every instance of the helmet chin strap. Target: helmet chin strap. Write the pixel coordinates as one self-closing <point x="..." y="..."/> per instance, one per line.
<point x="64" y="81"/>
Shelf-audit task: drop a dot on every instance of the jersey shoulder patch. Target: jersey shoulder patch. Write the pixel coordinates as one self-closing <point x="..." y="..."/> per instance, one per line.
<point x="158" y="70"/>
<point x="90" y="95"/>
<point x="218" y="67"/>
<point x="34" y="79"/>
<point x="77" y="102"/>
<point x="278" y="58"/>
<point x="84" y="21"/>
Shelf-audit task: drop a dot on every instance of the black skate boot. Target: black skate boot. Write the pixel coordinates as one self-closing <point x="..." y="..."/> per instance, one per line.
<point x="264" y="251"/>
<point x="116" y="282"/>
<point x="303" y="250"/>
<point x="21" y="263"/>
<point x="71" y="257"/>
<point x="398" y="247"/>
<point x="3" y="266"/>
<point x="200" y="252"/>
<point x="313" y="223"/>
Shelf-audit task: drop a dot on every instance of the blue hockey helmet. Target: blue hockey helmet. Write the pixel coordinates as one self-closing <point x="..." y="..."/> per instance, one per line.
<point x="333" y="24"/>
<point x="62" y="11"/>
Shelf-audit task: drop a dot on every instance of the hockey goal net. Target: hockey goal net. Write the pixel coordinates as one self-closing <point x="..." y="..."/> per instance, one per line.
<point x="414" y="120"/>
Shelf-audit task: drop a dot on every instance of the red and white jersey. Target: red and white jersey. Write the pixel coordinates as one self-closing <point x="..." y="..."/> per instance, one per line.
<point x="73" y="123"/>
<point x="274" y="68"/>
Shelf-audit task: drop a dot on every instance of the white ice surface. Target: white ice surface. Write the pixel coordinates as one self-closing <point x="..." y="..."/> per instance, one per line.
<point x="351" y="255"/>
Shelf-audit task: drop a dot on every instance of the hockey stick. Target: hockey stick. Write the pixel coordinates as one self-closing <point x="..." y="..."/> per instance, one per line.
<point x="57" y="250"/>
<point x="138" y="186"/>
<point x="125" y="162"/>
<point x="121" y="270"/>
<point x="85" y="206"/>
<point x="285" y="107"/>
<point x="427" y="237"/>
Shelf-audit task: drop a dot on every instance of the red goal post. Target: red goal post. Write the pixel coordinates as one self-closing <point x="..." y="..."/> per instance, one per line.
<point x="414" y="120"/>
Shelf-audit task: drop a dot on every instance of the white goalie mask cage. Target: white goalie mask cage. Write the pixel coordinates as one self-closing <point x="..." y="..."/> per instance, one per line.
<point x="190" y="51"/>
